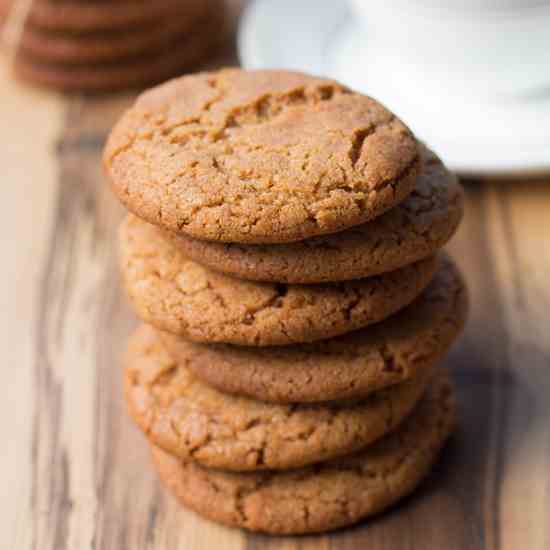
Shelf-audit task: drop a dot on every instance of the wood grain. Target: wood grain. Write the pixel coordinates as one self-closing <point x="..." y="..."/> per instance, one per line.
<point x="76" y="474"/>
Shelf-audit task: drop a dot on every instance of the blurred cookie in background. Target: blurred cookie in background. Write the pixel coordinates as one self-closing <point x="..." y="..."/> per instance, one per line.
<point x="115" y="45"/>
<point x="104" y="47"/>
<point x="90" y="16"/>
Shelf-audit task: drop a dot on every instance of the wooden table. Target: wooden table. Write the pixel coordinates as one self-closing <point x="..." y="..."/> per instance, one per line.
<point x="75" y="472"/>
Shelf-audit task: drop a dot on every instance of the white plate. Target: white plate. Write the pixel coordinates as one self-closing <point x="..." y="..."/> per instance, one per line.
<point x="503" y="136"/>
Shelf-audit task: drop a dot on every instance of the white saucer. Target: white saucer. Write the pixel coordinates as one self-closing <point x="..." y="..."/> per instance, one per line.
<point x="497" y="136"/>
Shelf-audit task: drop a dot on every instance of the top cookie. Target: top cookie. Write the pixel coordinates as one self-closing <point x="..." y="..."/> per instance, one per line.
<point x="259" y="157"/>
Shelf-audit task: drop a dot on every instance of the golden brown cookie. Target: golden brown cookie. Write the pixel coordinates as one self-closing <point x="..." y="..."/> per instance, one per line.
<point x="413" y="230"/>
<point x="259" y="157"/>
<point x="326" y="496"/>
<point x="192" y="420"/>
<point x="180" y="296"/>
<point x="129" y="73"/>
<point x="351" y="366"/>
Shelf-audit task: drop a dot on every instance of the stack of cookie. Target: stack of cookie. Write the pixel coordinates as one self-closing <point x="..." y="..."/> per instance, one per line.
<point x="101" y="46"/>
<point x="282" y="248"/>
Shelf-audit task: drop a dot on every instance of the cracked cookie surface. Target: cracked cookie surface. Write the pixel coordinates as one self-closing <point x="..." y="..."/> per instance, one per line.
<point x="326" y="496"/>
<point x="180" y="296"/>
<point x="350" y="366"/>
<point x="259" y="157"/>
<point x="413" y="230"/>
<point x="192" y="420"/>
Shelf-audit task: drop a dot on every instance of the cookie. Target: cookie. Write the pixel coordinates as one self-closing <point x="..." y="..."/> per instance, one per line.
<point x="180" y="296"/>
<point x="132" y="73"/>
<point x="325" y="496"/>
<point x="347" y="367"/>
<point x="71" y="49"/>
<point x="413" y="230"/>
<point x="259" y="157"/>
<point x="89" y="17"/>
<point x="192" y="420"/>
